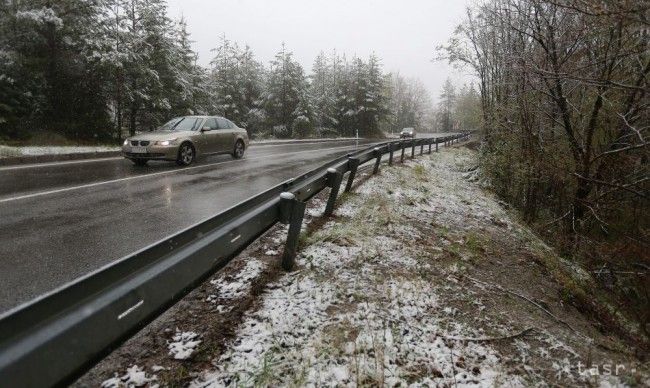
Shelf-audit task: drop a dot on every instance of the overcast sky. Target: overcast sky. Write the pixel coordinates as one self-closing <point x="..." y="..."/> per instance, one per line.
<point x="403" y="33"/>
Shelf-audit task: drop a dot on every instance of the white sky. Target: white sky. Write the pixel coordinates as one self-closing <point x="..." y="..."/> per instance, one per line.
<point x="403" y="33"/>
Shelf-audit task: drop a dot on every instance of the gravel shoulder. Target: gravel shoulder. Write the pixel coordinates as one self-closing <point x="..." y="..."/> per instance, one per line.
<point x="421" y="278"/>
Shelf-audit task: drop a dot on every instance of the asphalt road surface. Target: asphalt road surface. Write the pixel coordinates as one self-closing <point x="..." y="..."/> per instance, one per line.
<point x="62" y="220"/>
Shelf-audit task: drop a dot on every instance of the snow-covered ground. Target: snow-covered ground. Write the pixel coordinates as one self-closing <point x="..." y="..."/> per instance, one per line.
<point x="7" y="151"/>
<point x="412" y="283"/>
<point x="363" y="307"/>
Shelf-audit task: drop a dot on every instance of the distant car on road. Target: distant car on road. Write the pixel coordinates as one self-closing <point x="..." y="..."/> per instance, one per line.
<point x="183" y="139"/>
<point x="407" y="133"/>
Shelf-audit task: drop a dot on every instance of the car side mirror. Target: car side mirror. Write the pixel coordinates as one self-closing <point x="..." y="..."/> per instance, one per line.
<point x="205" y="129"/>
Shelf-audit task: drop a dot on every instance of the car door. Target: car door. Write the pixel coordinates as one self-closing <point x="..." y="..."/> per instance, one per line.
<point x="210" y="135"/>
<point x="226" y="135"/>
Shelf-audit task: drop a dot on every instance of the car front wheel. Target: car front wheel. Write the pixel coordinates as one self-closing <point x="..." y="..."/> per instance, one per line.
<point x="238" y="152"/>
<point x="186" y="155"/>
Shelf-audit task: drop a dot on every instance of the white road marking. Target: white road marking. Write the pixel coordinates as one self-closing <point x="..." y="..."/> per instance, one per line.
<point x="175" y="171"/>
<point x="60" y="163"/>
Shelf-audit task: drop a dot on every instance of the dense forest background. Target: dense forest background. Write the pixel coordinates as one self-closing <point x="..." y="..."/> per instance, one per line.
<point x="99" y="70"/>
<point x="565" y="118"/>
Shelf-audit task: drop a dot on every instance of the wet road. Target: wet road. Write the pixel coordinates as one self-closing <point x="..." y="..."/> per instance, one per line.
<point x="59" y="221"/>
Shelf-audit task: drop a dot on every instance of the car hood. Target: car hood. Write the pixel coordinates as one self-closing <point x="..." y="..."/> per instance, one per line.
<point x="161" y="135"/>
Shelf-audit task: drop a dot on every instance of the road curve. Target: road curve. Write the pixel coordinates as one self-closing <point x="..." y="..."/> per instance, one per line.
<point x="59" y="221"/>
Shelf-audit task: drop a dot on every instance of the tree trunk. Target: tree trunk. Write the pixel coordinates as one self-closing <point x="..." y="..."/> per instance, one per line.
<point x="132" y="119"/>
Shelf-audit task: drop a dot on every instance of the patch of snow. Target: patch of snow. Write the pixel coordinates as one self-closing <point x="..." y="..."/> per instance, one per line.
<point x="233" y="287"/>
<point x="134" y="377"/>
<point x="183" y="344"/>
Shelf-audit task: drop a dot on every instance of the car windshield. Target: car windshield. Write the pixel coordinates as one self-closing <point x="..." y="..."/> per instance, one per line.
<point x="188" y="123"/>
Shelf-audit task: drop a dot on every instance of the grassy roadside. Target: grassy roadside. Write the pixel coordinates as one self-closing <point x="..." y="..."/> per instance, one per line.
<point x="421" y="277"/>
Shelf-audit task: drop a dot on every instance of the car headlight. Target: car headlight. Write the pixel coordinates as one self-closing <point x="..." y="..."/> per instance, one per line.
<point x="126" y="142"/>
<point x="165" y="142"/>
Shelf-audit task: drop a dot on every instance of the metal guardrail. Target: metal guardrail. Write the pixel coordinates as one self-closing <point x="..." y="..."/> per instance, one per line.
<point x="55" y="338"/>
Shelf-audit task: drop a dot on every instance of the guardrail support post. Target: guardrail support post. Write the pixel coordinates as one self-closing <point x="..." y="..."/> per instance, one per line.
<point x="403" y="146"/>
<point x="390" y="154"/>
<point x="412" y="149"/>
<point x="334" y="179"/>
<point x="377" y="153"/>
<point x="421" y="148"/>
<point x="353" y="163"/>
<point x="292" y="211"/>
<point x="429" y="146"/>
<point x="436" y="145"/>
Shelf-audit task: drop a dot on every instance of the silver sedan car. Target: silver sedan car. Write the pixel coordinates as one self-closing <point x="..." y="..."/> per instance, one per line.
<point x="185" y="138"/>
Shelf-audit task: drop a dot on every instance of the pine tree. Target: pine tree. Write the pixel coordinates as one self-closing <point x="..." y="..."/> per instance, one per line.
<point x="187" y="92"/>
<point x="237" y="78"/>
<point x="302" y="123"/>
<point x="322" y="92"/>
<point x="225" y="78"/>
<point x="447" y="100"/>
<point x="345" y="103"/>
<point x="374" y="101"/>
<point x="49" y="73"/>
<point x="250" y="77"/>
<point x="285" y="89"/>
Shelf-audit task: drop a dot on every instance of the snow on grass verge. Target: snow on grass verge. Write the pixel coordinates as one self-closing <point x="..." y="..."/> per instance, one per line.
<point x="362" y="309"/>
<point x="7" y="151"/>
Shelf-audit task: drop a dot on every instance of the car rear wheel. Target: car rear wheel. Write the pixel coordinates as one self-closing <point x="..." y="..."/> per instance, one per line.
<point x="238" y="152"/>
<point x="186" y="155"/>
<point x="139" y="162"/>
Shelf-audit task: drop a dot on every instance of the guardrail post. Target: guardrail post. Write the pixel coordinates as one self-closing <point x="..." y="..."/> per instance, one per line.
<point x="334" y="179"/>
<point x="353" y="163"/>
<point x="412" y="149"/>
<point x="403" y="146"/>
<point x="429" y="146"/>
<point x="421" y="148"/>
<point x="390" y="154"/>
<point x="377" y="152"/>
<point x="292" y="211"/>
